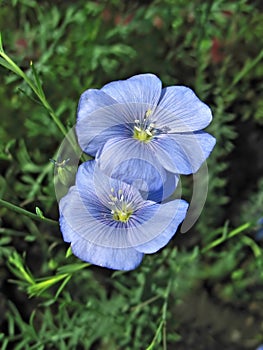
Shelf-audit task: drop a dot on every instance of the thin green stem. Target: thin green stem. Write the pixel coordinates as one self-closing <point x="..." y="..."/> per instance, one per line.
<point x="224" y="238"/>
<point x="147" y="302"/>
<point x="27" y="213"/>
<point x="164" y="313"/>
<point x="39" y="92"/>
<point x="249" y="65"/>
<point x="162" y="325"/>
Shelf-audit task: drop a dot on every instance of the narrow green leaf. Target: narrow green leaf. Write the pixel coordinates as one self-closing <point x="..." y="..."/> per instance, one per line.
<point x="250" y="64"/>
<point x="7" y="65"/>
<point x="37" y="80"/>
<point x="69" y="252"/>
<point x="71" y="268"/>
<point x="1" y="44"/>
<point x="62" y="286"/>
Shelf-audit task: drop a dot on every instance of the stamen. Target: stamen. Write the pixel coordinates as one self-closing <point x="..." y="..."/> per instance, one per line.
<point x="137" y="128"/>
<point x="114" y="199"/>
<point x="148" y="113"/>
<point x="121" y="210"/>
<point x="144" y="130"/>
<point x="148" y="132"/>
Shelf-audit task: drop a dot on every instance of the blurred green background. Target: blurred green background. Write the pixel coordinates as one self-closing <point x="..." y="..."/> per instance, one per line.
<point x="189" y="294"/>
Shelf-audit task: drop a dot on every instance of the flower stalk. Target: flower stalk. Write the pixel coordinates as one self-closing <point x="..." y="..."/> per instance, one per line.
<point x="27" y="213"/>
<point x="35" y="86"/>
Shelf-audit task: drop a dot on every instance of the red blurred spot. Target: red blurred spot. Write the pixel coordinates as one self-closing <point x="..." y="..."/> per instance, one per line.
<point x="157" y="22"/>
<point x="128" y="19"/>
<point x="227" y="13"/>
<point x="217" y="55"/>
<point x="21" y="44"/>
<point x="120" y="20"/>
<point x="106" y="15"/>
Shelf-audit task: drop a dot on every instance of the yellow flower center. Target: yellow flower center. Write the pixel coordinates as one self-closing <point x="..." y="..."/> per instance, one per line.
<point x="122" y="216"/>
<point x="144" y="130"/>
<point x="121" y="210"/>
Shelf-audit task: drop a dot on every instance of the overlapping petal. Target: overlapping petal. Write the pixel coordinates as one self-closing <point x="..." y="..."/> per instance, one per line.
<point x="92" y="182"/>
<point x="137" y="172"/>
<point x="129" y="159"/>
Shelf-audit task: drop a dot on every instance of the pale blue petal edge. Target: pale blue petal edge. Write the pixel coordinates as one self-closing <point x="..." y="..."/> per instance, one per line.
<point x="180" y="110"/>
<point x="163" y="226"/>
<point x="183" y="153"/>
<point x="141" y="88"/>
<point x="112" y="258"/>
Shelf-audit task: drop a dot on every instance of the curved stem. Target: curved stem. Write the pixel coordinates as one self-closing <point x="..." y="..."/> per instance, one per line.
<point x="27" y="213"/>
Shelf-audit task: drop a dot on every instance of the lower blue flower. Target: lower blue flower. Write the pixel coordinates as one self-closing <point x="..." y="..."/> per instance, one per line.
<point x="110" y="224"/>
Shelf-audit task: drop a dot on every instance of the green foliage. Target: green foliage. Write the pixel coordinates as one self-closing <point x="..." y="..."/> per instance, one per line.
<point x="50" y="52"/>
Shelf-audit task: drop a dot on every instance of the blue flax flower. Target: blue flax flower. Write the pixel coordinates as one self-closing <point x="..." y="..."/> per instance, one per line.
<point x="137" y="120"/>
<point x="109" y="224"/>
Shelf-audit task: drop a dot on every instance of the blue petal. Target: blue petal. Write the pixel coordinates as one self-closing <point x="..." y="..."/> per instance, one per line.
<point x="95" y="129"/>
<point x="91" y="100"/>
<point x="142" y="88"/>
<point x="167" y="189"/>
<point x="84" y="176"/>
<point x="183" y="153"/>
<point x="137" y="173"/>
<point x="112" y="258"/>
<point x="181" y="110"/>
<point x="89" y="220"/>
<point x="132" y="161"/>
<point x="87" y="185"/>
<point x="103" y="124"/>
<point x="155" y="232"/>
<point x="67" y="237"/>
<point x="92" y="183"/>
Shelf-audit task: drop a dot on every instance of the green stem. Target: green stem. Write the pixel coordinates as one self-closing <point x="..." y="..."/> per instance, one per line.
<point x="245" y="70"/>
<point x="231" y="234"/>
<point x="164" y="313"/>
<point x="162" y="324"/>
<point x="14" y="67"/>
<point x="27" y="213"/>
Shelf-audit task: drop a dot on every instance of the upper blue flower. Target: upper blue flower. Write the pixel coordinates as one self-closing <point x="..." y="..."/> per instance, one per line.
<point x="139" y="120"/>
<point x="109" y="223"/>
